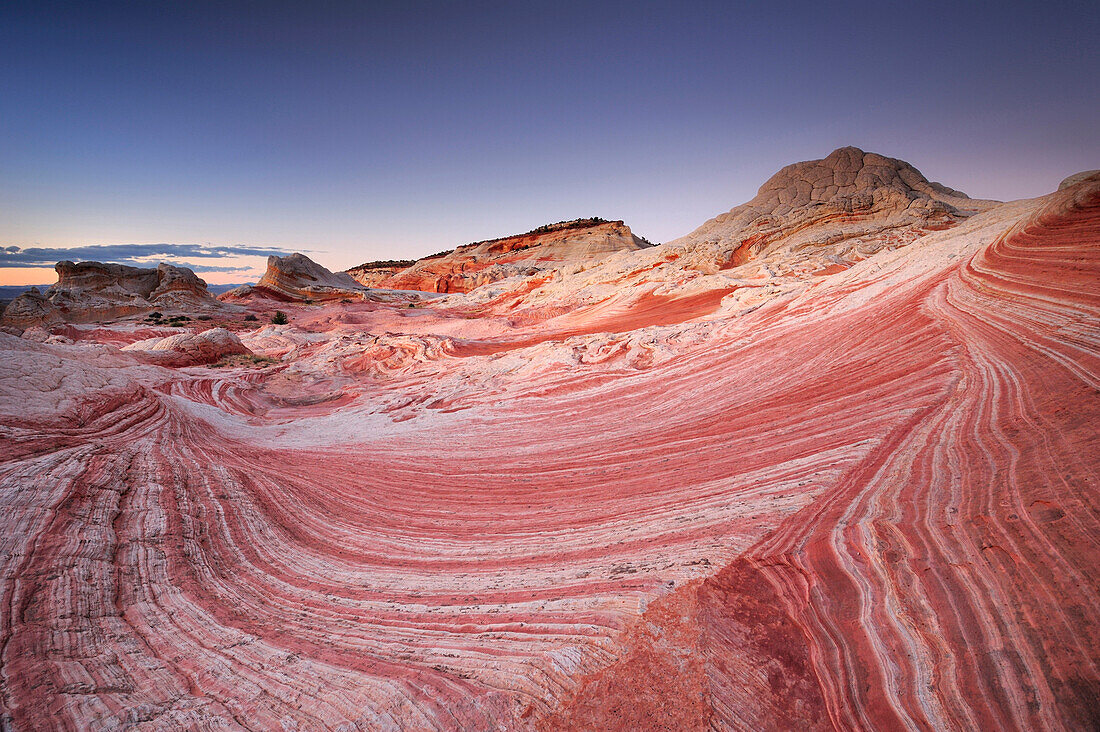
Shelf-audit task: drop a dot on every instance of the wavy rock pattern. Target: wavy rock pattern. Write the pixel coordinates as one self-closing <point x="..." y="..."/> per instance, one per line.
<point x="870" y="503"/>
<point x="189" y="349"/>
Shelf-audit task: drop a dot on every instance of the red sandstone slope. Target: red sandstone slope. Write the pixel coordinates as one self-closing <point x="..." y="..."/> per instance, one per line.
<point x="470" y="266"/>
<point x="865" y="501"/>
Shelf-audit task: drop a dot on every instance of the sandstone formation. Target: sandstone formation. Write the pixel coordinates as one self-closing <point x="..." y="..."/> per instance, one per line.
<point x="778" y="244"/>
<point x="636" y="493"/>
<point x="189" y="349"/>
<point x="470" y="266"/>
<point x="848" y="205"/>
<point x="297" y="277"/>
<point x="375" y="274"/>
<point x="91" y="291"/>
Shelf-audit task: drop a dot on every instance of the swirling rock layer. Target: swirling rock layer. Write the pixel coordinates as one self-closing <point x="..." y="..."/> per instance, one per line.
<point x="867" y="503"/>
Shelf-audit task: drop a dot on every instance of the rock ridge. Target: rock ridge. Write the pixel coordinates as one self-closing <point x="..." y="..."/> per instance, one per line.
<point x="91" y="291"/>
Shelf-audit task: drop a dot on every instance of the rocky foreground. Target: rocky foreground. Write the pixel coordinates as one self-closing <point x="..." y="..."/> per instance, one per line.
<point x="828" y="462"/>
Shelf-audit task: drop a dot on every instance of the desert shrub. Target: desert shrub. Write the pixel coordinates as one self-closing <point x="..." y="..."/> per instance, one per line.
<point x="205" y="317"/>
<point x="251" y="318"/>
<point x="389" y="264"/>
<point x="279" y="318"/>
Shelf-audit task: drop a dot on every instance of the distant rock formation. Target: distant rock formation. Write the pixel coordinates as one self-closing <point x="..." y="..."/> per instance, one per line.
<point x="470" y="266"/>
<point x="91" y="291"/>
<point x="296" y="277"/>
<point x="810" y="220"/>
<point x="374" y="274"/>
<point x="844" y="207"/>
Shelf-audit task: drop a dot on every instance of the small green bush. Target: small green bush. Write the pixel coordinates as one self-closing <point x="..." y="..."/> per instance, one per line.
<point x="251" y="318"/>
<point x="279" y="318"/>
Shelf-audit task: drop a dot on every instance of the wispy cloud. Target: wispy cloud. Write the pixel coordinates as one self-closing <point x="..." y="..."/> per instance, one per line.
<point x="138" y="255"/>
<point x="210" y="268"/>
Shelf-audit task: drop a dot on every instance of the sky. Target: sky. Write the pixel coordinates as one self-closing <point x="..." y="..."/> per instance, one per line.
<point x="215" y="133"/>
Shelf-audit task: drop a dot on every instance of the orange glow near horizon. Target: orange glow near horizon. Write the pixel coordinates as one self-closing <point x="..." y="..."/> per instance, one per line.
<point x="27" y="276"/>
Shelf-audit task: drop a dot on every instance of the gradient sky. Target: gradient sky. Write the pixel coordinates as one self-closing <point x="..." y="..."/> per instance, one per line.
<point x="362" y="131"/>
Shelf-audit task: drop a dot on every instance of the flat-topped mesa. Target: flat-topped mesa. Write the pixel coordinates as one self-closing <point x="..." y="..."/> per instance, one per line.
<point x="843" y="208"/>
<point x="470" y="266"/>
<point x="296" y="277"/>
<point x="92" y="291"/>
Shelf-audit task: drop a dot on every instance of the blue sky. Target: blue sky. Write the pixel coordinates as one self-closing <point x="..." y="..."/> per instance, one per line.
<point x="363" y="131"/>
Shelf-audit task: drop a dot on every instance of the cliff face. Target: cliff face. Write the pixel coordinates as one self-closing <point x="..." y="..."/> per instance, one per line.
<point x="91" y="291"/>
<point x="624" y="494"/>
<point x="471" y="266"/>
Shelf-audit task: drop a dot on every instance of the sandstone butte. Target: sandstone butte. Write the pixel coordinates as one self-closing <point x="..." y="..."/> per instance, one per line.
<point x="828" y="462"/>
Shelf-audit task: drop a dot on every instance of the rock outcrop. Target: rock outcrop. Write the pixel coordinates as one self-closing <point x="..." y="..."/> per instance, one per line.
<point x="865" y="501"/>
<point x="92" y="291"/>
<point x="840" y="209"/>
<point x="375" y="274"/>
<point x="189" y="349"/>
<point x="473" y="265"/>
<point x="297" y="277"/>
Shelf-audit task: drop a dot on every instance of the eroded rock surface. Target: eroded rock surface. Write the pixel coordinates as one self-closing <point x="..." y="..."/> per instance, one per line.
<point x="189" y="349"/>
<point x="376" y="274"/>
<point x="297" y="277"/>
<point x="842" y="208"/>
<point x="471" y="266"/>
<point x="91" y="291"/>
<point x="630" y="494"/>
